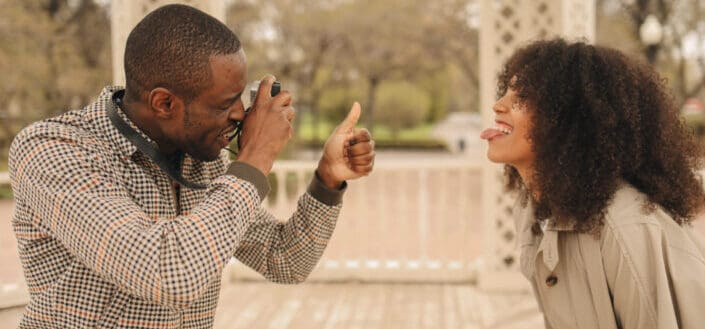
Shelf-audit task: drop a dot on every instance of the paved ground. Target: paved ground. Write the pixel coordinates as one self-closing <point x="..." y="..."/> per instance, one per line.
<point x="8" y="250"/>
<point x="364" y="306"/>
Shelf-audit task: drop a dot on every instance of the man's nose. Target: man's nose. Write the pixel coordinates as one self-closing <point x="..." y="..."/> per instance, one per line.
<point x="237" y="113"/>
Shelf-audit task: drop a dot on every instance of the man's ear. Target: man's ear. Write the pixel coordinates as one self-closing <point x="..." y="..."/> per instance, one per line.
<point x="164" y="103"/>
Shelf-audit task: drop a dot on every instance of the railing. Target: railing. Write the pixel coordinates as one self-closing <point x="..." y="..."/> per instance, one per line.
<point x="15" y="292"/>
<point x="408" y="221"/>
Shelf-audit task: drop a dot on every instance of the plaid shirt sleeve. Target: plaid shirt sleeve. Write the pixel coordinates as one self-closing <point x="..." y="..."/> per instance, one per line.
<point x="288" y="252"/>
<point x="62" y="175"/>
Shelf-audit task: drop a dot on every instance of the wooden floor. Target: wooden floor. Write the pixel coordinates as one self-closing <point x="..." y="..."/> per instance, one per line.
<point x="362" y="305"/>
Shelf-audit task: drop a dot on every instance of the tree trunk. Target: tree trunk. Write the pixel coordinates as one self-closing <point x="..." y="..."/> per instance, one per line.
<point x="370" y="110"/>
<point x="315" y="95"/>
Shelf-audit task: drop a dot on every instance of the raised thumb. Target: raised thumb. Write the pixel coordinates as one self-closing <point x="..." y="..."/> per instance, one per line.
<point x="352" y="118"/>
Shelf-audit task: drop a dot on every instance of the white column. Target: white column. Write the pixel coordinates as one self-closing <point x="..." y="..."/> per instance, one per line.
<point x="505" y="26"/>
<point x="125" y="14"/>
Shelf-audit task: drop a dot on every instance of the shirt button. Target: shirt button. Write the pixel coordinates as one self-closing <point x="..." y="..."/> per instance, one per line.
<point x="551" y="280"/>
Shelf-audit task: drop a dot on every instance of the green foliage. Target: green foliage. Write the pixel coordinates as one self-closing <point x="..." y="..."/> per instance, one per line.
<point x="5" y="189"/>
<point x="402" y="105"/>
<point x="5" y="192"/>
<point x="311" y="129"/>
<point x="335" y="102"/>
<point x="54" y="56"/>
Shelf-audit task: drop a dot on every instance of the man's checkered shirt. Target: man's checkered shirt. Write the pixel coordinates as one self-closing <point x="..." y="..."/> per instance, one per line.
<point x="102" y="244"/>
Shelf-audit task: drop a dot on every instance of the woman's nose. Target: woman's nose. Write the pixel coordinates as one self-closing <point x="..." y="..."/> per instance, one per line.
<point x="502" y="105"/>
<point x="498" y="108"/>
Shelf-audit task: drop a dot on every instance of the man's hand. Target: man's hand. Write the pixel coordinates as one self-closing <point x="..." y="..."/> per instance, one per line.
<point x="267" y="128"/>
<point x="349" y="153"/>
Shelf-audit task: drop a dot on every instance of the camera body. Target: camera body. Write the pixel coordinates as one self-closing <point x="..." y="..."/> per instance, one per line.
<point x="276" y="88"/>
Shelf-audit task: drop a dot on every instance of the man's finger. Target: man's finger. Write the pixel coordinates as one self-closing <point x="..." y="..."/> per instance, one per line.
<point x="265" y="88"/>
<point x="362" y="160"/>
<point x="362" y="135"/>
<point x="290" y="113"/>
<point x="363" y="169"/>
<point x="361" y="148"/>
<point x="352" y="118"/>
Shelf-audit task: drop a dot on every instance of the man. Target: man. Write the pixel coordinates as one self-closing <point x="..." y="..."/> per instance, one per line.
<point x="128" y="210"/>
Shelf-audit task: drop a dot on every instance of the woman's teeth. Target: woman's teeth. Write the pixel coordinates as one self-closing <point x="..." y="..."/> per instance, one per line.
<point x="505" y="131"/>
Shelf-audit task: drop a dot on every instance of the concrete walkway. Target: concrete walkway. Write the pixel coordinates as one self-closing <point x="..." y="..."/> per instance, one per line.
<point x="257" y="304"/>
<point x="363" y="306"/>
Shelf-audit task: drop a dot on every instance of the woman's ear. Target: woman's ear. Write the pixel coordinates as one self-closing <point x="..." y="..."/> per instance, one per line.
<point x="164" y="103"/>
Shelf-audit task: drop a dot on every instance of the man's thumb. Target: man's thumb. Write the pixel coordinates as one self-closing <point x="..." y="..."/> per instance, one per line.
<point x="352" y="118"/>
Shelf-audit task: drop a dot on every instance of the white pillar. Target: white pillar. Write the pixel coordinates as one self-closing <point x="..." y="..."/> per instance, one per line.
<point x="505" y="26"/>
<point x="125" y="14"/>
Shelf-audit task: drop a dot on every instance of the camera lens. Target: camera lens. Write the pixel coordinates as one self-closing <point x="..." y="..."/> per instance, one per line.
<point x="276" y="88"/>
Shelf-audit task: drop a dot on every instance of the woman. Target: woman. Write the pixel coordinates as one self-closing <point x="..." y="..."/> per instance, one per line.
<point x="608" y="189"/>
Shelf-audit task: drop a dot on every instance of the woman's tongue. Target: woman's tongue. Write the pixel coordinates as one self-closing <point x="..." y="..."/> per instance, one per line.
<point x="490" y="133"/>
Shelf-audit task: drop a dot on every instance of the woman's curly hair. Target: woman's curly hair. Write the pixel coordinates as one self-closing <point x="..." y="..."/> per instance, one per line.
<point x="598" y="118"/>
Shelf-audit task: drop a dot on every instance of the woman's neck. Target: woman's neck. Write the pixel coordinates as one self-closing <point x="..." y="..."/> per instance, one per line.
<point x="527" y="176"/>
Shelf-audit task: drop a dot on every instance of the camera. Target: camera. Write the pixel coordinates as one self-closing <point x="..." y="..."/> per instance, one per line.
<point x="276" y="88"/>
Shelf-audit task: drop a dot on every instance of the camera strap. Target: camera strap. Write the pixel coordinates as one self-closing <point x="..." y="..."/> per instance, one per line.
<point x="171" y="167"/>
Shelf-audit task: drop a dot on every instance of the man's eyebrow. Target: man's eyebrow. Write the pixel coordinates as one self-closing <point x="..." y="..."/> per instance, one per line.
<point x="232" y="99"/>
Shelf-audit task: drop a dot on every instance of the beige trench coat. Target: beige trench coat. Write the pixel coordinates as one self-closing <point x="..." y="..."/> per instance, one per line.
<point x="645" y="271"/>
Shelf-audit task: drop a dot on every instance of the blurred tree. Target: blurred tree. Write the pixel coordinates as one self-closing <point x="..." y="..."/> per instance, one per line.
<point x="294" y="40"/>
<point x="54" y="55"/>
<point x="321" y="47"/>
<point x="680" y="55"/>
<point x="386" y="40"/>
<point x="452" y="34"/>
<point x="335" y="101"/>
<point x="402" y="105"/>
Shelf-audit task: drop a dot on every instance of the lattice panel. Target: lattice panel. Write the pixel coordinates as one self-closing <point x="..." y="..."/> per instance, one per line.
<point x="506" y="256"/>
<point x="146" y="6"/>
<point x="579" y="18"/>
<point x="545" y="19"/>
<point x="505" y="26"/>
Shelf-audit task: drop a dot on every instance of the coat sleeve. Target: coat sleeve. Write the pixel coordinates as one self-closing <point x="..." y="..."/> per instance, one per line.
<point x="653" y="282"/>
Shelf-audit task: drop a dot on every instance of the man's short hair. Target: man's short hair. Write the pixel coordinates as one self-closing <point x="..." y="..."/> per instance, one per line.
<point x="171" y="47"/>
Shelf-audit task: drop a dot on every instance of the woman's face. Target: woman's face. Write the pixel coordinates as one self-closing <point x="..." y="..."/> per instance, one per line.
<point x="509" y="138"/>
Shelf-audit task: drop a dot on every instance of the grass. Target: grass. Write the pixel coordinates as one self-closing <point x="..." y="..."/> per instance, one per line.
<point x="381" y="133"/>
<point x="5" y="189"/>
<point x="5" y="192"/>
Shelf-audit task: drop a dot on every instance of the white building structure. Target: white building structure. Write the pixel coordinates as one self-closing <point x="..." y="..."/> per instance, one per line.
<point x="461" y="133"/>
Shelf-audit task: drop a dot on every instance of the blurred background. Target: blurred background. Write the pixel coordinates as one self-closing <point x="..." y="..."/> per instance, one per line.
<point x="414" y="237"/>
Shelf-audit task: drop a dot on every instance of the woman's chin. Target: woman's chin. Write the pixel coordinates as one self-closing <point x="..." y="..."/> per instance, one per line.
<point x="496" y="158"/>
